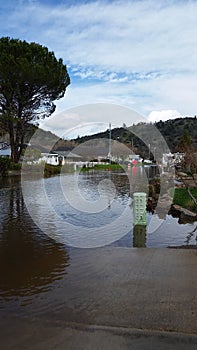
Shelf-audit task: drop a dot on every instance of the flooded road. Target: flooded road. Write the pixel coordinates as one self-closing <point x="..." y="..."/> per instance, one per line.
<point x="44" y="281"/>
<point x="33" y="262"/>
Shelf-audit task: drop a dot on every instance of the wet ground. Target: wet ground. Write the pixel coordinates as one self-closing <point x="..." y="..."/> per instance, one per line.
<point x="117" y="298"/>
<point x="54" y="296"/>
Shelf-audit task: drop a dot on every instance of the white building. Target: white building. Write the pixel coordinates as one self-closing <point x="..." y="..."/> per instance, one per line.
<point x="60" y="158"/>
<point x="5" y="149"/>
<point x="171" y="159"/>
<point x="49" y="158"/>
<point x="135" y="158"/>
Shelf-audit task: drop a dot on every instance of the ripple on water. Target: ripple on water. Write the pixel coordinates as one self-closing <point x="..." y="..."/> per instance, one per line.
<point x="33" y="264"/>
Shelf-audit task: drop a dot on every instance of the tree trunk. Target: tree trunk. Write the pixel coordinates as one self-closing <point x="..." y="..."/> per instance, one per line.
<point x="13" y="144"/>
<point x="11" y="133"/>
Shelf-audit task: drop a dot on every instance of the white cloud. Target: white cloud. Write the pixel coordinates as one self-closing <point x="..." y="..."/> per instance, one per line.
<point x="140" y="54"/>
<point x="91" y="118"/>
<point x="156" y="116"/>
<point x="133" y="36"/>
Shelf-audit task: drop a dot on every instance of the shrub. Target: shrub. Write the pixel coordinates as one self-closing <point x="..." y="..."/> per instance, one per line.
<point x="15" y="166"/>
<point x="4" y="165"/>
<point x="50" y="170"/>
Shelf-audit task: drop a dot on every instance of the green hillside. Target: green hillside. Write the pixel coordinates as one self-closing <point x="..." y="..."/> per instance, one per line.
<point x="171" y="130"/>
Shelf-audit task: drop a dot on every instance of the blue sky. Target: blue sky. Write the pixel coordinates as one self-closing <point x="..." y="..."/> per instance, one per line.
<point x="137" y="54"/>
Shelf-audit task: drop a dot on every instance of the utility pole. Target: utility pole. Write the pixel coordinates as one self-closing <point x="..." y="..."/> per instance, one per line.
<point x="154" y="152"/>
<point x="132" y="143"/>
<point x="109" y="154"/>
<point x="149" y="151"/>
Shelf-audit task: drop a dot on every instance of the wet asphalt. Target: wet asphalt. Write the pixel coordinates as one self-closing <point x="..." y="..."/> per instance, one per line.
<point x="116" y="298"/>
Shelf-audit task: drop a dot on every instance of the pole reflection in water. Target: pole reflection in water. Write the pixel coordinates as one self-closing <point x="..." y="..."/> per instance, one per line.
<point x="139" y="236"/>
<point x="138" y="180"/>
<point x="30" y="262"/>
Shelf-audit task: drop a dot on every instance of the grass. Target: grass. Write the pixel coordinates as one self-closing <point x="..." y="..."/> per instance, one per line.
<point x="182" y="198"/>
<point x="103" y="167"/>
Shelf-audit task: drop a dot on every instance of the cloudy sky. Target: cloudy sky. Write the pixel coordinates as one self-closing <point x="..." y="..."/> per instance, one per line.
<point x="137" y="54"/>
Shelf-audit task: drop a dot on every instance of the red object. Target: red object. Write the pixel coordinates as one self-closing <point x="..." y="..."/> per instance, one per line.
<point x="134" y="170"/>
<point x="109" y="168"/>
<point x="134" y="162"/>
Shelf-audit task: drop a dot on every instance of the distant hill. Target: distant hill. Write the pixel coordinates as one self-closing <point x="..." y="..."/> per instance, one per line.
<point x="172" y="130"/>
<point x="43" y="140"/>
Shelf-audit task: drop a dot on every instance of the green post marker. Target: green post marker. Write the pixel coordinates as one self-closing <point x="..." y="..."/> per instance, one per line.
<point x="139" y="208"/>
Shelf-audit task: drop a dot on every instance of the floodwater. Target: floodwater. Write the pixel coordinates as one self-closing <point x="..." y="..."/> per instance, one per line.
<point x="37" y="247"/>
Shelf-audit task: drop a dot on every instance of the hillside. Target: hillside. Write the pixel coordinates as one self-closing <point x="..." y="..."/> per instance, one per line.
<point x="43" y="140"/>
<point x="171" y="130"/>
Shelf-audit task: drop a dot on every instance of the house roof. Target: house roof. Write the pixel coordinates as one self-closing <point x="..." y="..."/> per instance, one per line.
<point x="45" y="154"/>
<point x="4" y="145"/>
<point x="67" y="154"/>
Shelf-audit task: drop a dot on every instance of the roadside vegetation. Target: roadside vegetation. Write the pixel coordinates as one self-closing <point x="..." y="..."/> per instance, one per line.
<point x="182" y="198"/>
<point x="102" y="167"/>
<point x="4" y="166"/>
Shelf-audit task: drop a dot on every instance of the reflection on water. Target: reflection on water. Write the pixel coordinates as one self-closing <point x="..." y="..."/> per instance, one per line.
<point x="30" y="261"/>
<point x="139" y="236"/>
<point x="191" y="235"/>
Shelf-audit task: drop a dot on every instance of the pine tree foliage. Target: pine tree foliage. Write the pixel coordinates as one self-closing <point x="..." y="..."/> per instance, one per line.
<point x="31" y="79"/>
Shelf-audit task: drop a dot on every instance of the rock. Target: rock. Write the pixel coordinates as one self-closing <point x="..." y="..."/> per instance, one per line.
<point x="184" y="211"/>
<point x="183" y="214"/>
